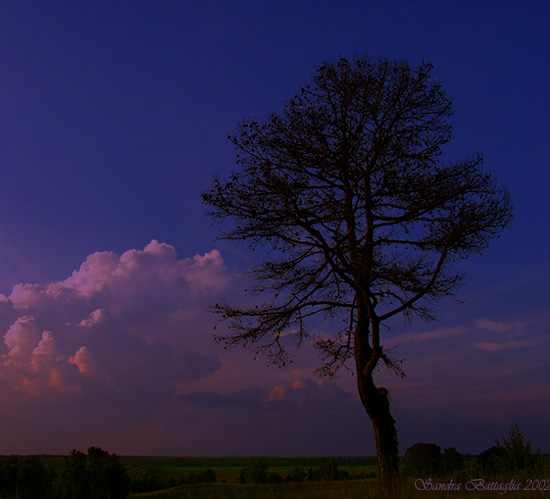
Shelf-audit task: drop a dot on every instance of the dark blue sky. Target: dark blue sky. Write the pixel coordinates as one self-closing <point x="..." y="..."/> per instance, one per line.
<point x="114" y="117"/>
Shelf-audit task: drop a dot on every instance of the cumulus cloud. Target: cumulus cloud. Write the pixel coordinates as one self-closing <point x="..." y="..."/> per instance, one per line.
<point x="123" y="346"/>
<point x="120" y="352"/>
<point x="118" y="334"/>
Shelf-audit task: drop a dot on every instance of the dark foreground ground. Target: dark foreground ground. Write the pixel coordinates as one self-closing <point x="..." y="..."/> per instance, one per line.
<point x="469" y="482"/>
<point x="303" y="477"/>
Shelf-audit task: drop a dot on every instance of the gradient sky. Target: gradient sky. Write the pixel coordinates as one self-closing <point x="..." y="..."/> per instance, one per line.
<point x="113" y="118"/>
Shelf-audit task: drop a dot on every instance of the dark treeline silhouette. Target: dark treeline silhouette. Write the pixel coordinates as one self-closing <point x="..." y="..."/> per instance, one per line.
<point x="256" y="471"/>
<point x="101" y="475"/>
<point x="426" y="459"/>
<point x="96" y="475"/>
<point x="511" y="455"/>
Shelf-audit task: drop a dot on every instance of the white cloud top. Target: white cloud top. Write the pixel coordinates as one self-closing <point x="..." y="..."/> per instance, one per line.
<point x="125" y="329"/>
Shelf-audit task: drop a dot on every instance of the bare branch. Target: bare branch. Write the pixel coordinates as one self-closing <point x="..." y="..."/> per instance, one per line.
<point x="346" y="191"/>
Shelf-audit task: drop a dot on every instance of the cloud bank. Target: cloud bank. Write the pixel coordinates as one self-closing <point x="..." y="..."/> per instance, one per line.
<point x="113" y="339"/>
<point x="120" y="354"/>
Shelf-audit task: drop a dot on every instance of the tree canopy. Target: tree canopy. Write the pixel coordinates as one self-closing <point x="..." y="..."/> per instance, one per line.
<point x="347" y="191"/>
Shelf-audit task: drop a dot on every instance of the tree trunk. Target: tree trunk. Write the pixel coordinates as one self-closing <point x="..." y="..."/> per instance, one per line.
<point x="376" y="402"/>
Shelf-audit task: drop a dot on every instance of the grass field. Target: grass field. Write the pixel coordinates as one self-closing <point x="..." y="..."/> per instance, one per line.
<point x="356" y="489"/>
<point x="169" y="471"/>
<point x="329" y="490"/>
<point x="228" y="471"/>
<point x="229" y="468"/>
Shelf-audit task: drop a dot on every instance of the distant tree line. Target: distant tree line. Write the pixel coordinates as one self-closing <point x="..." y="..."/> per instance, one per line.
<point x="511" y="454"/>
<point x="100" y="475"/>
<point x="426" y="459"/>
<point x="96" y="475"/>
<point x="143" y="480"/>
<point x="256" y="471"/>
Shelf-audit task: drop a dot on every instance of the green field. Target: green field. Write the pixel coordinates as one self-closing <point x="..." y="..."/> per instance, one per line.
<point x="174" y="478"/>
<point x="308" y="490"/>
<point x="229" y="468"/>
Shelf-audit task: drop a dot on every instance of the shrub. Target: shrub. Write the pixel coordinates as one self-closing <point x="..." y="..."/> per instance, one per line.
<point x="207" y="476"/>
<point x="329" y="472"/>
<point x="275" y="478"/>
<point x="98" y="475"/>
<point x="452" y="460"/>
<point x="25" y="477"/>
<point x="491" y="460"/>
<point x="143" y="481"/>
<point x="255" y="471"/>
<point x="298" y="474"/>
<point x="423" y="459"/>
<point x="516" y="453"/>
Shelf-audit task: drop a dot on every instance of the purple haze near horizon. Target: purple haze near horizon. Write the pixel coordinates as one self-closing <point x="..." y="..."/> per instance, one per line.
<point x="114" y="118"/>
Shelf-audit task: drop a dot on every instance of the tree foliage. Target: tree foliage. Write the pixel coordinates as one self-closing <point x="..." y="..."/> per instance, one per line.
<point x="97" y="475"/>
<point x="452" y="460"/>
<point x="491" y="460"/>
<point x="424" y="459"/>
<point x="25" y="477"/>
<point x="516" y="453"/>
<point x="255" y="471"/>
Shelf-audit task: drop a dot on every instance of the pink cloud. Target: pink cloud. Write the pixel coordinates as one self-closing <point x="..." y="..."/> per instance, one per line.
<point x="120" y="354"/>
<point x="117" y="336"/>
<point x="501" y="326"/>
<point x="508" y="345"/>
<point x="82" y="359"/>
<point x="22" y="337"/>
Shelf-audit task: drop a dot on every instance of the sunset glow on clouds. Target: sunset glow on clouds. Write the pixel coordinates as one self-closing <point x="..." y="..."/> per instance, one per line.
<point x="113" y="310"/>
<point x="124" y="346"/>
<point x="126" y="342"/>
<point x="115" y="118"/>
<point x="109" y="332"/>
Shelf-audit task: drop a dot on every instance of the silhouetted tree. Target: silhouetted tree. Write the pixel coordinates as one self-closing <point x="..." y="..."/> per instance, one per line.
<point x="363" y="220"/>
<point x="25" y="478"/>
<point x="424" y="459"/>
<point x="33" y="478"/>
<point x="75" y="479"/>
<point x="144" y="481"/>
<point x="298" y="474"/>
<point x="9" y="468"/>
<point x="452" y="460"/>
<point x="98" y="475"/>
<point x="255" y="471"/>
<point x="492" y="460"/>
<point x="275" y="478"/>
<point x="329" y="472"/>
<point x="516" y="453"/>
<point x="207" y="476"/>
